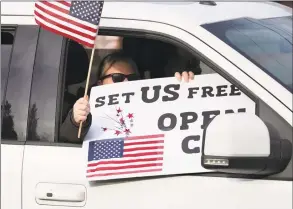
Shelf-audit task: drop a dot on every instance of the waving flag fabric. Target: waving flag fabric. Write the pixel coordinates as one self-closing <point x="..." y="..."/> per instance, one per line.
<point x="76" y="20"/>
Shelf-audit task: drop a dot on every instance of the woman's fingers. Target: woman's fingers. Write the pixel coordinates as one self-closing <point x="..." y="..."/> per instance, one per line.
<point x="81" y="109"/>
<point x="186" y="76"/>
<point x="82" y="101"/>
<point x="80" y="118"/>
<point x="178" y="76"/>
<point x="191" y="75"/>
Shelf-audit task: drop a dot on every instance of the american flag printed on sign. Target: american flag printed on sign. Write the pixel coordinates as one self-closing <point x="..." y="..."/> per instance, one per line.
<point x="129" y="155"/>
<point x="76" y="20"/>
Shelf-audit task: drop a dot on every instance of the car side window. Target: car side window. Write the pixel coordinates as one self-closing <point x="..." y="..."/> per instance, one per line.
<point x="15" y="107"/>
<point x="61" y="70"/>
<point x="7" y="40"/>
<point x="44" y="88"/>
<point x="154" y="58"/>
<point x="157" y="58"/>
<point x="182" y="60"/>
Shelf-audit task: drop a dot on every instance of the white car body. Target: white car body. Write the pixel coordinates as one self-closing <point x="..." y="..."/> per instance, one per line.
<point x="29" y="171"/>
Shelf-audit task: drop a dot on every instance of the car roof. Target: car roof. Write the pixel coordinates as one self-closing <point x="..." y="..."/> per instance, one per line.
<point x="175" y="13"/>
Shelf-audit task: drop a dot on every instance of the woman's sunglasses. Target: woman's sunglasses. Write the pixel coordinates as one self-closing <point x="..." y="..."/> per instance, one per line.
<point x="119" y="77"/>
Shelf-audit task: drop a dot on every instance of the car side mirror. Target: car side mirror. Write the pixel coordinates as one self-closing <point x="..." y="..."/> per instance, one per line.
<point x="241" y="143"/>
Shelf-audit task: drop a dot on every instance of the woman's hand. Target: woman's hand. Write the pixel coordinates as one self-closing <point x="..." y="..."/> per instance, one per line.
<point x="81" y="109"/>
<point x="186" y="76"/>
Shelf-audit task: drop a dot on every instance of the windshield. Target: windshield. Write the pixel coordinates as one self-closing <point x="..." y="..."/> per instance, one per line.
<point x="265" y="42"/>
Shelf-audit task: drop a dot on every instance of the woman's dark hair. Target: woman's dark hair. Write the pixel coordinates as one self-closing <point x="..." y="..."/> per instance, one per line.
<point x="111" y="59"/>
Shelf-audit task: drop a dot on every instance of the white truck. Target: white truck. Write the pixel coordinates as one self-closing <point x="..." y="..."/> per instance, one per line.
<point x="248" y="43"/>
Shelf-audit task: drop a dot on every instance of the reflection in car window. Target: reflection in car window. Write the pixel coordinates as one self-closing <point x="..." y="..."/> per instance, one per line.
<point x="282" y="24"/>
<point x="266" y="42"/>
<point x="7" y="39"/>
<point x="15" y="108"/>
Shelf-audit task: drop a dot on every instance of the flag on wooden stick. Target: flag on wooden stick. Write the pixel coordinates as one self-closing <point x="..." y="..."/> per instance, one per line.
<point x="76" y="20"/>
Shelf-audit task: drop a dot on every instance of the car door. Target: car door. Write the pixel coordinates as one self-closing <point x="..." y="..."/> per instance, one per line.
<point x="18" y="49"/>
<point x="53" y="172"/>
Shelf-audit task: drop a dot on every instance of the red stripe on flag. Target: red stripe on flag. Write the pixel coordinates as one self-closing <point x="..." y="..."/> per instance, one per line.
<point x="55" y="7"/>
<point x="145" y="137"/>
<point x="66" y="19"/>
<point x="124" y="167"/>
<point x="64" y="34"/>
<point x="124" y="161"/>
<point x="143" y="143"/>
<point x="68" y="4"/>
<point x="125" y="172"/>
<point x="143" y="148"/>
<point x="143" y="154"/>
<point x="64" y="27"/>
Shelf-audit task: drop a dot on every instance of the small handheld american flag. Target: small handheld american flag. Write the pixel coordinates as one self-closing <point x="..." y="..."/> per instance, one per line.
<point x="125" y="156"/>
<point x="76" y="20"/>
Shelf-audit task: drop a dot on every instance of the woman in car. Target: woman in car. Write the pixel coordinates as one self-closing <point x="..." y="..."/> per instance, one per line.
<point x="115" y="67"/>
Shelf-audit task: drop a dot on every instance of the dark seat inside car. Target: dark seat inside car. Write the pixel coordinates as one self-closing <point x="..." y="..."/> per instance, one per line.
<point x="77" y="64"/>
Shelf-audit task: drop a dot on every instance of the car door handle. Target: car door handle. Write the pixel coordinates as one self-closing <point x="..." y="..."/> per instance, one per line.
<point x="60" y="192"/>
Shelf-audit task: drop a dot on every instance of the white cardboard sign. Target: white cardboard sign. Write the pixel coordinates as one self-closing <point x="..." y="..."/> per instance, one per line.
<point x="154" y="127"/>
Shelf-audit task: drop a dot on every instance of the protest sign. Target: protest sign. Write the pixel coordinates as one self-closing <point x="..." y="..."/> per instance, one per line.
<point x="154" y="127"/>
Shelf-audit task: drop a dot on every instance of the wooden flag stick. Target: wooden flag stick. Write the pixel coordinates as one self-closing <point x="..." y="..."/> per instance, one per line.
<point x="87" y="82"/>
